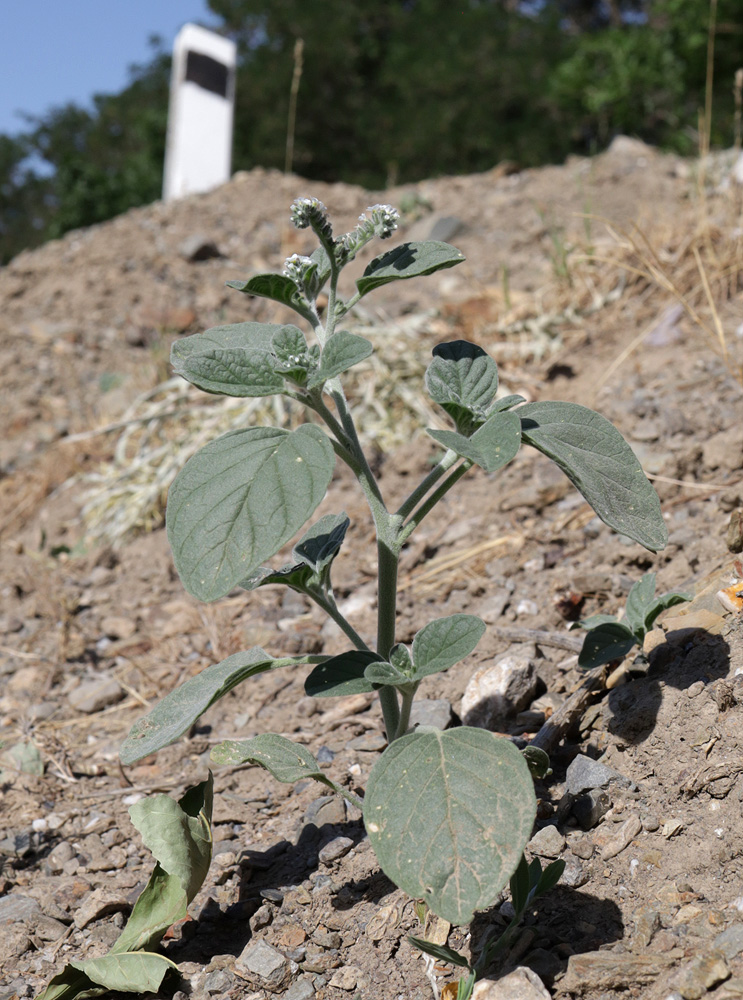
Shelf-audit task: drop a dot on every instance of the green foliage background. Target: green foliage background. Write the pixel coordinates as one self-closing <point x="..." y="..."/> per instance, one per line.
<point x="392" y="91"/>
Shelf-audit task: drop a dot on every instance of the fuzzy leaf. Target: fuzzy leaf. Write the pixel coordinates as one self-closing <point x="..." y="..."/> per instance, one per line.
<point x="428" y="838"/>
<point x="463" y="380"/>
<point x="229" y="360"/>
<point x="287" y="761"/>
<point x="277" y="287"/>
<point x="639" y="599"/>
<point x="593" y="621"/>
<point x="610" y="641"/>
<point x="409" y="260"/>
<point x="600" y="464"/>
<point x="239" y="499"/>
<point x="320" y="544"/>
<point x="382" y="672"/>
<point x="340" y="675"/>
<point x="342" y="351"/>
<point x="444" y="642"/>
<point x="178" y="711"/>
<point x="133" y="972"/>
<point x="506" y="403"/>
<point x="439" y="951"/>
<point x="293" y="575"/>
<point x="492" y="446"/>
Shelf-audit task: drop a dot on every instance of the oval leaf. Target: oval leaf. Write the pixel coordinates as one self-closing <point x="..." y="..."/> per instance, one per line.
<point x="449" y="814"/>
<point x="610" y="641"/>
<point x="178" y="711"/>
<point x="408" y="261"/>
<point x="239" y="499"/>
<point x="277" y="287"/>
<point x="600" y="464"/>
<point x="132" y="972"/>
<point x="287" y="761"/>
<point x="463" y="380"/>
<point x="491" y="446"/>
<point x="342" y="674"/>
<point x="240" y="373"/>
<point x="444" y="642"/>
<point x="639" y="600"/>
<point x="342" y="351"/>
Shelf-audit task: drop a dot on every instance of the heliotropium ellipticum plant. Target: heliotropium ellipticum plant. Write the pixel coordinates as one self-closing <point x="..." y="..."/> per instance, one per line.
<point x="447" y="812"/>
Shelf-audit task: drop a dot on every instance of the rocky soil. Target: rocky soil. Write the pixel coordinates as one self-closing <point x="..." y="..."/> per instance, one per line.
<point x="646" y="797"/>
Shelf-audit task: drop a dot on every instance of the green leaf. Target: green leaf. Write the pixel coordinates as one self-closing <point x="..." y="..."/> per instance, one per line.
<point x="639" y="600"/>
<point x="610" y="641"/>
<point x="342" y="351"/>
<point x="178" y="711"/>
<point x="135" y="972"/>
<point x="382" y="672"/>
<point x="600" y="464"/>
<point x="466" y="987"/>
<point x="229" y="360"/>
<point x="593" y="621"/>
<point x="341" y="675"/>
<point x="463" y="380"/>
<point x="664" y="602"/>
<point x="444" y="642"/>
<point x="292" y="357"/>
<point x="322" y="260"/>
<point x="320" y="544"/>
<point x="293" y="575"/>
<point x="548" y="879"/>
<point x="520" y="886"/>
<point x="287" y="761"/>
<point x="492" y="446"/>
<point x="239" y="499"/>
<point x="506" y="403"/>
<point x="277" y="287"/>
<point x="70" y="984"/>
<point x="538" y="762"/>
<point x="448" y="815"/>
<point x="440" y="951"/>
<point x="409" y="260"/>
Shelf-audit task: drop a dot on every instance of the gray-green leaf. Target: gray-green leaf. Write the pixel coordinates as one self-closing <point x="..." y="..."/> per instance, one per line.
<point x="277" y="287"/>
<point x="229" y="360"/>
<point x="492" y="446"/>
<point x="409" y="260"/>
<point x="463" y="380"/>
<point x="639" y="599"/>
<point x="341" y="675"/>
<point x="239" y="499"/>
<point x="600" y="464"/>
<point x="133" y="972"/>
<point x="610" y="641"/>
<point x="321" y="543"/>
<point x="449" y="814"/>
<point x="342" y="351"/>
<point x="178" y="711"/>
<point x="444" y="642"/>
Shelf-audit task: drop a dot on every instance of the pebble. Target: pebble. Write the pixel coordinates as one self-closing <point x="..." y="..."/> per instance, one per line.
<point x="521" y="984"/>
<point x="219" y="981"/>
<point x="588" y="809"/>
<point x="263" y="964"/>
<point x="14" y="908"/>
<point x="646" y="921"/>
<point x="368" y="743"/>
<point x="92" y="696"/>
<point x="327" y="809"/>
<point x="100" y="903"/>
<point x="198" y="247"/>
<point x="585" y="774"/>
<point x="436" y="712"/>
<point x="650" y="823"/>
<point x="501" y="689"/>
<point x="301" y="989"/>
<point x="730" y="942"/>
<point x="325" y="755"/>
<point x="582" y="847"/>
<point x="345" y="978"/>
<point x="58" y="857"/>
<point x="547" y="842"/>
<point x="702" y="973"/>
<point x="117" y="627"/>
<point x="626" y="833"/>
<point x="334" y="849"/>
<point x="574" y="874"/>
<point x="607" y="970"/>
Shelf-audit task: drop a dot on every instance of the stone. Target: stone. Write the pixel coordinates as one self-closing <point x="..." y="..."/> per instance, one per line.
<point x="14" y="941"/>
<point x="585" y="774"/>
<point x="702" y="973"/>
<point x="582" y="847"/>
<point x="500" y="689"/>
<point x="724" y="450"/>
<point x="646" y="921"/>
<point x="118" y="627"/>
<point x="219" y="982"/>
<point x="547" y="842"/>
<point x="436" y="712"/>
<point x="327" y="809"/>
<point x="300" y="989"/>
<point x="621" y="838"/>
<point x="607" y="970"/>
<point x="99" y="904"/>
<point x="59" y="856"/>
<point x="730" y="942"/>
<point x="15" y="908"/>
<point x="92" y="696"/>
<point x="521" y="984"/>
<point x="335" y="849"/>
<point x="445" y="228"/>
<point x="574" y="874"/>
<point x="263" y="964"/>
<point x="588" y="809"/>
<point x="345" y="978"/>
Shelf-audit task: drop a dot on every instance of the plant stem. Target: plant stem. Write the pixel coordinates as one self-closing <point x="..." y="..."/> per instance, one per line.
<point x="407" y="703"/>
<point x="431" y="502"/>
<point x="387" y="562"/>
<point x="442" y="466"/>
<point x="327" y="603"/>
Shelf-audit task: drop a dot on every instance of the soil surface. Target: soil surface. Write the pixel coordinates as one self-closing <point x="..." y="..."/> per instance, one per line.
<point x="95" y="625"/>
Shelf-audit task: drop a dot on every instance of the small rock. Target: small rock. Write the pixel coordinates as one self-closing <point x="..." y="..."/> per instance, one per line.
<point x="547" y="842"/>
<point x="59" y="856"/>
<point x="650" y="823"/>
<point x="593" y="971"/>
<point x="730" y="942"/>
<point x="262" y="917"/>
<point x="622" y="838"/>
<point x="327" y="809"/>
<point x="345" y="978"/>
<point x="445" y="228"/>
<point x="702" y="973"/>
<point x="14" y="941"/>
<point x="545" y="964"/>
<point x="335" y="849"/>
<point x="588" y="809"/>
<point x="521" y="984"/>
<point x="325" y="755"/>
<point x="584" y="774"/>
<point x="369" y="742"/>
<point x="582" y="847"/>
<point x="99" y="904"/>
<point x="574" y="874"/>
<point x="646" y="921"/>
<point x="300" y="989"/>
<point x="199" y="247"/>
<point x="501" y="689"/>
<point x="92" y="696"/>
<point x="49" y="928"/>
<point x="259" y="962"/>
<point x="15" y="908"/>
<point x="436" y="712"/>
<point x="219" y="982"/>
<point x="117" y="627"/>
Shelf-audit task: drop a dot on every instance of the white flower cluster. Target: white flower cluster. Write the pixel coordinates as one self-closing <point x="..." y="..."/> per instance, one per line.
<point x="384" y="218"/>
<point x="310" y="212"/>
<point x="296" y="268"/>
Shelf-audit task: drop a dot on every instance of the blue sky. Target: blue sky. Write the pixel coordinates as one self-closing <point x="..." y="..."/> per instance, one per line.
<point x="56" y="51"/>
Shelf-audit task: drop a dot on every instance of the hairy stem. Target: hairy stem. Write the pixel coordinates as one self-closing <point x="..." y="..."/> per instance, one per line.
<point x="327" y="603"/>
<point x="432" y="500"/>
<point x="442" y="466"/>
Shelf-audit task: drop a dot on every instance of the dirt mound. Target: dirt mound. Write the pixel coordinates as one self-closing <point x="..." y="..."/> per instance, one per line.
<point x="639" y="319"/>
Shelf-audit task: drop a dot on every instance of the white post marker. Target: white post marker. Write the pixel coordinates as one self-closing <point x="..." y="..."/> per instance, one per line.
<point x="198" y="150"/>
